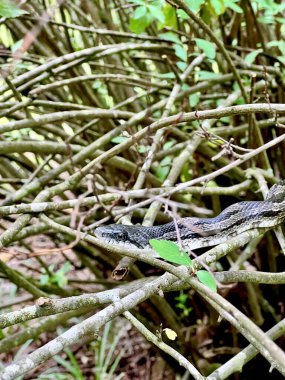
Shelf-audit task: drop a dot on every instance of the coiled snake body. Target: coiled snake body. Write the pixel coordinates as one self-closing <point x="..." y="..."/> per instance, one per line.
<point x="204" y="232"/>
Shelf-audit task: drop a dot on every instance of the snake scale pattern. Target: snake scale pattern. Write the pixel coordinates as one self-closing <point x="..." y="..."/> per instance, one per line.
<point x="204" y="232"/>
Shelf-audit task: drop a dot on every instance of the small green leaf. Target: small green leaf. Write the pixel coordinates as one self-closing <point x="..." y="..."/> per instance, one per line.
<point x="194" y="5"/>
<point x="157" y="13"/>
<point x="170" y="16"/>
<point x="194" y="99"/>
<point x="16" y="45"/>
<point x="139" y="12"/>
<point x="250" y="57"/>
<point x="170" y="36"/>
<point x="207" y="47"/>
<point x="170" y="251"/>
<point x="168" y="144"/>
<point x="10" y="10"/>
<point x="231" y="4"/>
<point x="182" y="14"/>
<point x="181" y="65"/>
<point x="143" y="149"/>
<point x="119" y="139"/>
<point x="163" y="168"/>
<point x="181" y="52"/>
<point x="207" y="279"/>
<point x="218" y="6"/>
<point x="139" y="25"/>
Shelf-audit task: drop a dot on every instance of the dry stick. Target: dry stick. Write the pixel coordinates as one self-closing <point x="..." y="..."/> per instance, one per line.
<point x="123" y="266"/>
<point x="75" y="61"/>
<point x="86" y="152"/>
<point x="273" y="353"/>
<point x="116" y="194"/>
<point x="228" y="59"/>
<point x="119" y="77"/>
<point x="16" y="278"/>
<point x="31" y="37"/>
<point x="214" y="174"/>
<point x="186" y="153"/>
<point x="38" y="183"/>
<point x="45" y="68"/>
<point x="64" y="115"/>
<point x="217" y="41"/>
<point x="250" y="276"/>
<point x="101" y="31"/>
<point x="163" y="346"/>
<point x="67" y="247"/>
<point x="156" y="204"/>
<point x="73" y="180"/>
<point x="48" y="306"/>
<point x="242" y="323"/>
<point x="209" y="257"/>
<point x="89" y="326"/>
<point x="236" y="363"/>
<point x="43" y="326"/>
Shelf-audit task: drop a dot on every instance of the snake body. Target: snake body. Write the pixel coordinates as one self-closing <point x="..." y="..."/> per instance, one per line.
<point x="204" y="232"/>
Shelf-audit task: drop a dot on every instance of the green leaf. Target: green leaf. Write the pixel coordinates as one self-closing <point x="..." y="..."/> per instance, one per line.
<point x="181" y="52"/>
<point x="170" y="36"/>
<point x="168" y="144"/>
<point x="207" y="279"/>
<point x="143" y="149"/>
<point x="10" y="10"/>
<point x="119" y="139"/>
<point x="194" y="99"/>
<point x="163" y="168"/>
<point x="170" y="16"/>
<point x="207" y="47"/>
<point x="156" y="12"/>
<point x="181" y="65"/>
<point x="182" y="14"/>
<point x="185" y="175"/>
<point x="232" y="5"/>
<point x="250" y="57"/>
<point x="139" y="12"/>
<point x="218" y="6"/>
<point x="170" y="251"/>
<point x="182" y="298"/>
<point x="139" y="25"/>
<point x="194" y="5"/>
<point x="16" y="45"/>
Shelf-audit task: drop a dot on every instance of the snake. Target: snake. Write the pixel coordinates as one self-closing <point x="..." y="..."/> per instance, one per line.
<point x="194" y="232"/>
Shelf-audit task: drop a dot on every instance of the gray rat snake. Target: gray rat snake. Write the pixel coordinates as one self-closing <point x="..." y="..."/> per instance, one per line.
<point x="204" y="232"/>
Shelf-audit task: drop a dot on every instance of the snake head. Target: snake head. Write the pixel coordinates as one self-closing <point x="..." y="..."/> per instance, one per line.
<point x="120" y="234"/>
<point x="276" y="193"/>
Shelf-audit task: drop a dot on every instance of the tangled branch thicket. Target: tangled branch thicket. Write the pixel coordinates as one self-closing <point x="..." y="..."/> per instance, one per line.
<point x="100" y="125"/>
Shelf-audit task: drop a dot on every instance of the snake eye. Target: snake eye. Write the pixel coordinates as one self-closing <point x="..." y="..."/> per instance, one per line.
<point x="120" y="235"/>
